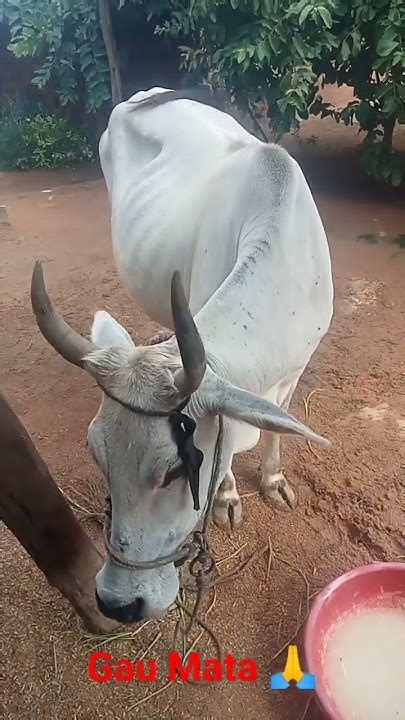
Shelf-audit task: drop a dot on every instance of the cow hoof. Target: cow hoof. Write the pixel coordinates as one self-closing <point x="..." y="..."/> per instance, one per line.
<point x="276" y="489"/>
<point x="227" y="513"/>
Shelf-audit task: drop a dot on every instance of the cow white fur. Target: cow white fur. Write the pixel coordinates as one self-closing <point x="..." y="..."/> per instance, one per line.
<point x="191" y="190"/>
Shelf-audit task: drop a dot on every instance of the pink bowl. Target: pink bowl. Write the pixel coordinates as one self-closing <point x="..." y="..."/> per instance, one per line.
<point x="378" y="584"/>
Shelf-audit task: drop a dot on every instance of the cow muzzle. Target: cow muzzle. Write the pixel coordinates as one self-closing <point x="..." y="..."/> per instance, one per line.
<point x="129" y="596"/>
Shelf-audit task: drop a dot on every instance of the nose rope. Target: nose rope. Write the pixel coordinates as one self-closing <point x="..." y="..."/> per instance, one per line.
<point x="197" y="550"/>
<point x="178" y="557"/>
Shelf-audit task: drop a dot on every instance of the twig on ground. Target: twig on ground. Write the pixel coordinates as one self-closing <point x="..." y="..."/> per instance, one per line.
<point x="289" y="641"/>
<point x="234" y="545"/>
<point x="242" y="566"/>
<point x="307" y="406"/>
<point x="271" y="559"/>
<point x="307" y="706"/>
<point x="180" y="624"/>
<point x="150" y="696"/>
<point x="55" y="662"/>
<point x="198" y="638"/>
<point x="94" y="498"/>
<point x="300" y="572"/>
<point x="95" y="509"/>
<point x="206" y="627"/>
<point x="299" y="611"/>
<point x="105" y="639"/>
<point x="279" y="629"/>
<point x="75" y="504"/>
<point x="84" y="497"/>
<point x="165" y="709"/>
<point x="150" y="646"/>
<point x="229" y="557"/>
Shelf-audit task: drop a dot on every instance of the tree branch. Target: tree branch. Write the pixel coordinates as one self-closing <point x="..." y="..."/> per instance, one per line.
<point x="36" y="512"/>
<point x="111" y="48"/>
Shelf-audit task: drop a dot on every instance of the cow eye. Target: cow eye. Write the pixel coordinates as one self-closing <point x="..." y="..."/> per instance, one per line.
<point x="173" y="474"/>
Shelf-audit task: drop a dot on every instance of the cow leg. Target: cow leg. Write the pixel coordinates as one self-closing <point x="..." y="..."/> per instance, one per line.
<point x="273" y="484"/>
<point x="227" y="506"/>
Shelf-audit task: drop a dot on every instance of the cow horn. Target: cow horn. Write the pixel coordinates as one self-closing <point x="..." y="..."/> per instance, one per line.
<point x="66" y="341"/>
<point x="189" y="341"/>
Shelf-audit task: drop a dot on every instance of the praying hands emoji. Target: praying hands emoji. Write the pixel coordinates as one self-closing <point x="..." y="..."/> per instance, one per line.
<point x="292" y="671"/>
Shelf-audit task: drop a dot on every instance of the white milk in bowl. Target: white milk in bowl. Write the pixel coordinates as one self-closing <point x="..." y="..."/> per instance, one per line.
<point x="364" y="664"/>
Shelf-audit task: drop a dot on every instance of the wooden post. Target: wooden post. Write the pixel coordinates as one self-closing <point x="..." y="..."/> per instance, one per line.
<point x="111" y="49"/>
<point x="36" y="512"/>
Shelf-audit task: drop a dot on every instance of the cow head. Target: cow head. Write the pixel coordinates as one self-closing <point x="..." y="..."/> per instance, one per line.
<point x="153" y="510"/>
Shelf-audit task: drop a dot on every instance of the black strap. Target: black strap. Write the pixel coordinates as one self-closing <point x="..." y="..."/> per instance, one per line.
<point x="183" y="428"/>
<point x="142" y="411"/>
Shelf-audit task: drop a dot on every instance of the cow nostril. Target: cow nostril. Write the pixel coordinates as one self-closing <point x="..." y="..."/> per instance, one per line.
<point x="122" y="613"/>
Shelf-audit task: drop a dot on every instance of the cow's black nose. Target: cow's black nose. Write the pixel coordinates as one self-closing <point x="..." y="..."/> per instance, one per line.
<point x="122" y="613"/>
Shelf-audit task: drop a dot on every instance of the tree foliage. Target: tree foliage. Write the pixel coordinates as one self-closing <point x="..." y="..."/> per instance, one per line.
<point x="276" y="53"/>
<point x="42" y="141"/>
<point x="65" y="37"/>
<point x="282" y="52"/>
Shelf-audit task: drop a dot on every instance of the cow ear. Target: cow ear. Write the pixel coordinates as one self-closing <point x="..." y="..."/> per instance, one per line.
<point x="226" y="399"/>
<point x="107" y="332"/>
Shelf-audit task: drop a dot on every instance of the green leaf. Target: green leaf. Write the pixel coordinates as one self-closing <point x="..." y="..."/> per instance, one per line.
<point x="380" y="64"/>
<point x="363" y="113"/>
<point x="297" y="42"/>
<point x="345" y="50"/>
<point x="234" y="4"/>
<point x="381" y="90"/>
<point x="389" y="104"/>
<point x="304" y="13"/>
<point x="386" y="170"/>
<point x="274" y="43"/>
<point x="240" y="56"/>
<point x="85" y="62"/>
<point x="325" y="15"/>
<point x="261" y="51"/>
<point x="387" y="43"/>
<point x="356" y="42"/>
<point x="282" y="104"/>
<point x="396" y="176"/>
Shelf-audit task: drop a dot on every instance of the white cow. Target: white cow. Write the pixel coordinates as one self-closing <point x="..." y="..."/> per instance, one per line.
<point x="191" y="190"/>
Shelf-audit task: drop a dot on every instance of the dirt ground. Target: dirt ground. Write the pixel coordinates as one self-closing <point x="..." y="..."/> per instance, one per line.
<point x="351" y="498"/>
